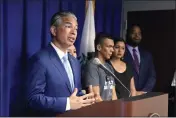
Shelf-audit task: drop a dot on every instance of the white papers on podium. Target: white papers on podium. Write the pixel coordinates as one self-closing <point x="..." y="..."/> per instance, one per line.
<point x="174" y="80"/>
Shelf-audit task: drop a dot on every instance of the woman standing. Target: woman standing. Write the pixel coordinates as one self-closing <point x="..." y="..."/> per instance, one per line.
<point x="122" y="71"/>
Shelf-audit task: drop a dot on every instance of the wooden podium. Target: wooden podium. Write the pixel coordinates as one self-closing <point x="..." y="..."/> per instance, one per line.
<point x="153" y="103"/>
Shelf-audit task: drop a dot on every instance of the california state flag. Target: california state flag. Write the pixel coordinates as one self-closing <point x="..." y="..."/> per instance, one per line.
<point x="88" y="34"/>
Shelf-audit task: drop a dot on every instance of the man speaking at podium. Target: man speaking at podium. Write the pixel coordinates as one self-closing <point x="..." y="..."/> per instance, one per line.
<point x="53" y="84"/>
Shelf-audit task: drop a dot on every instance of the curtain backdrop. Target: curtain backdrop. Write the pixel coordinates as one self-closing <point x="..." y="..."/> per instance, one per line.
<point x="24" y="29"/>
<point x="108" y="16"/>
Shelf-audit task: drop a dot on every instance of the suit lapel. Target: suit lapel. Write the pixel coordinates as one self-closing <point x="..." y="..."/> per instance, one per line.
<point x="141" y="61"/>
<point x="58" y="64"/>
<point x="73" y="66"/>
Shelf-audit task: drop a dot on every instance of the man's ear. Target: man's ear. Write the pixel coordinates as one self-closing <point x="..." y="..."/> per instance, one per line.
<point x="98" y="47"/>
<point x="53" y="30"/>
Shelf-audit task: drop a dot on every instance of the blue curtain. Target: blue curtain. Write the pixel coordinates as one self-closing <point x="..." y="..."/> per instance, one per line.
<point x="24" y="29"/>
<point x="108" y="16"/>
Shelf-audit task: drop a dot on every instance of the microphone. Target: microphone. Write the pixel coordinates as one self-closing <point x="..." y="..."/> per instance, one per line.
<point x="98" y="63"/>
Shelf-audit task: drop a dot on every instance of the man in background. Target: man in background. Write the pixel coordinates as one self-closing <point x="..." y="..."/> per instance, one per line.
<point x="140" y="60"/>
<point x="102" y="83"/>
<point x="53" y="84"/>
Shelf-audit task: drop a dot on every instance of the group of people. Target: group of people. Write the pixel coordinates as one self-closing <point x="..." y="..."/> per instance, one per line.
<point x="54" y="74"/>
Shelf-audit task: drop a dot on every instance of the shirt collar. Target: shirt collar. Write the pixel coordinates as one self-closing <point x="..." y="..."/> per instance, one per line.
<point x="59" y="52"/>
<point x="131" y="48"/>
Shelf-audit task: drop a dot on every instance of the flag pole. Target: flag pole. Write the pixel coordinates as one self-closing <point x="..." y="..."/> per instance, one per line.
<point x="88" y="33"/>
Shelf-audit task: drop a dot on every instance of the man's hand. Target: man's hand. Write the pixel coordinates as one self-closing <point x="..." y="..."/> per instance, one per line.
<point x="96" y="94"/>
<point x="77" y="102"/>
<point x="140" y="92"/>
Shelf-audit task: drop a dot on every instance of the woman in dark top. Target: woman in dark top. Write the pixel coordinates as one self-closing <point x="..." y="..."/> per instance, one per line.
<point x="122" y="71"/>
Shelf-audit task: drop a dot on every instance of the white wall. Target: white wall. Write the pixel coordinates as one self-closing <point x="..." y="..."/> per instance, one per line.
<point x="144" y="6"/>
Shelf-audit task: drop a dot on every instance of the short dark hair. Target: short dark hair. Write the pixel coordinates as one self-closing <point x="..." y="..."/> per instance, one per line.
<point x="57" y="17"/>
<point x="118" y="39"/>
<point x="99" y="39"/>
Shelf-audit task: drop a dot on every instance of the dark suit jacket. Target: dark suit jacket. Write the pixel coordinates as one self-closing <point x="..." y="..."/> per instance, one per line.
<point x="145" y="80"/>
<point x="48" y="85"/>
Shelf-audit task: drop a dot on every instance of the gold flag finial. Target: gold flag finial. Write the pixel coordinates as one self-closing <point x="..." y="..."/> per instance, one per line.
<point x="93" y="3"/>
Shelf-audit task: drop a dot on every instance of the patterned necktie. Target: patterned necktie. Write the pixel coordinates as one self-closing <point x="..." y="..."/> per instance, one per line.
<point x="68" y="70"/>
<point x="136" y="60"/>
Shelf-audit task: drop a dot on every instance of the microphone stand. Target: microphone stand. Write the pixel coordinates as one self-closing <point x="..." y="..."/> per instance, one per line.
<point x="174" y="92"/>
<point x="111" y="74"/>
<point x="99" y="64"/>
<point x="174" y="101"/>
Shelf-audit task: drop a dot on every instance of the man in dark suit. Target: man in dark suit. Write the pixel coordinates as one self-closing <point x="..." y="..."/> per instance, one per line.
<point x="140" y="60"/>
<point x="53" y="84"/>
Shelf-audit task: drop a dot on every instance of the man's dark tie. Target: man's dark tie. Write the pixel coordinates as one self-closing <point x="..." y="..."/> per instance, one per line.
<point x="136" y="60"/>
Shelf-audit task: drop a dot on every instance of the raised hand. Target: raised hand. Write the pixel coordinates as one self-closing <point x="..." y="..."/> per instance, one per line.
<point x="96" y="93"/>
<point x="77" y="102"/>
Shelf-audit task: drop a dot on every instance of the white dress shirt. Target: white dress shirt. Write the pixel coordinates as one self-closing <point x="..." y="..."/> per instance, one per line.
<point x="61" y="54"/>
<point x="130" y="48"/>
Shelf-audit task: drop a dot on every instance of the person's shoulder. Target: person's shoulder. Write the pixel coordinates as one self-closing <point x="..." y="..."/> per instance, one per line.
<point x="91" y="65"/>
<point x="90" y="62"/>
<point x="144" y="51"/>
<point x="42" y="54"/>
<point x="108" y="65"/>
<point x="73" y="59"/>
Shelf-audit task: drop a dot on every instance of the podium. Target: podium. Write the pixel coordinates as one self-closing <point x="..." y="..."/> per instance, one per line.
<point x="148" y="104"/>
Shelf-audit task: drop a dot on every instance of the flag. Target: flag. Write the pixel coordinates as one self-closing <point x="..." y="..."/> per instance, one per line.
<point x="88" y="33"/>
